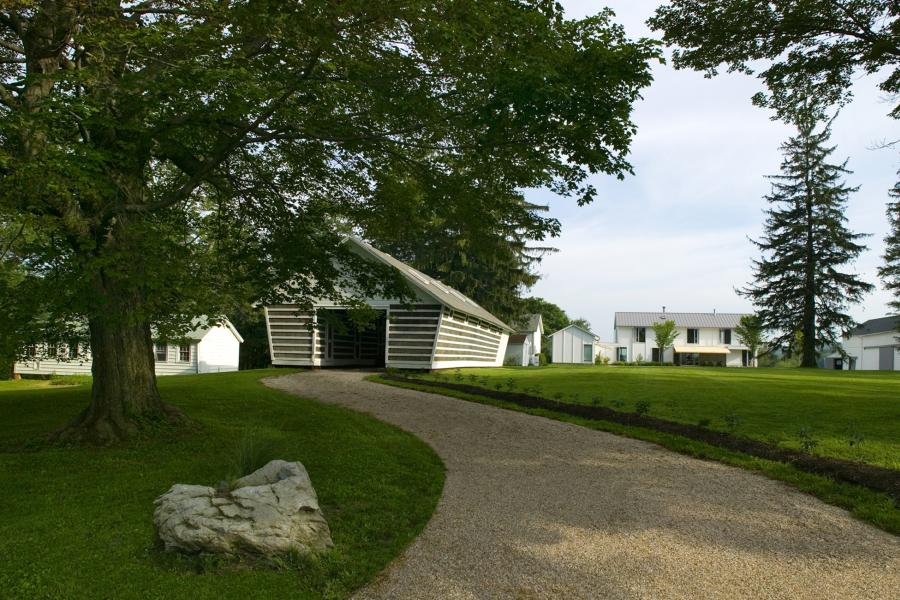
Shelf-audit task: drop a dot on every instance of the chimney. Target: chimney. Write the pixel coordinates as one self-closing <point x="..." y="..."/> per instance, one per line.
<point x="714" y="311"/>
<point x="664" y="310"/>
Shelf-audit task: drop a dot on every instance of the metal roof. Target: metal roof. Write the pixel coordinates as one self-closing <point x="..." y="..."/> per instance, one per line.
<point x="880" y="325"/>
<point x="580" y="328"/>
<point x="646" y="319"/>
<point x="444" y="294"/>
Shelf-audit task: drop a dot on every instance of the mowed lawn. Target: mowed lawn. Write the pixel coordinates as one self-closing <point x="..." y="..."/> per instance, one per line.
<point x="822" y="409"/>
<point x="77" y="522"/>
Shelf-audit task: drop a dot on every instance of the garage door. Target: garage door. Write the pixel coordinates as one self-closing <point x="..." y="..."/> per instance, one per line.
<point x="886" y="359"/>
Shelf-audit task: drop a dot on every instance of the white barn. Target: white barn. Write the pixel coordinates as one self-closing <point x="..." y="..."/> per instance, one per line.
<point x="871" y="346"/>
<point x="525" y="343"/>
<point x="574" y="345"/>
<point x="208" y="348"/>
<point x="440" y="329"/>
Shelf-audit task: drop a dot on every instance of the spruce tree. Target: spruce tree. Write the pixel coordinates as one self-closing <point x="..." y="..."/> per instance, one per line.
<point x="890" y="271"/>
<point x="801" y="284"/>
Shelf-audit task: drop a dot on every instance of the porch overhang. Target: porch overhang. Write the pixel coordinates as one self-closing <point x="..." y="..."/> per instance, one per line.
<point x="701" y="350"/>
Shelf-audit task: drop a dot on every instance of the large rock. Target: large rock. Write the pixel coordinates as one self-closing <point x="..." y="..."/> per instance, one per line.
<point x="271" y="511"/>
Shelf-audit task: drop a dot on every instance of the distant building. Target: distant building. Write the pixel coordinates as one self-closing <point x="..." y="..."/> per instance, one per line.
<point x="574" y="345"/>
<point x="703" y="339"/>
<point x="208" y="348"/>
<point x="525" y="342"/>
<point x="871" y="346"/>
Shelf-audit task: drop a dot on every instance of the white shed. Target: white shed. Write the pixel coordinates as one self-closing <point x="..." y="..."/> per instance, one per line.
<point x="525" y="343"/>
<point x="871" y="346"/>
<point x="209" y="348"/>
<point x="574" y="344"/>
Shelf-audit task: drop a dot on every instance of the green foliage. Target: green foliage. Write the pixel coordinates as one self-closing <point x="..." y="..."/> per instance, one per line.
<point x="642" y="407"/>
<point x="807" y="442"/>
<point x="542" y="359"/>
<point x="733" y="421"/>
<point x="750" y="333"/>
<point x="178" y="158"/>
<point x="377" y="493"/>
<point x="798" y="285"/>
<point x="890" y="270"/>
<point x="582" y="322"/>
<point x="804" y="46"/>
<point x="664" y="334"/>
<point x="253" y="452"/>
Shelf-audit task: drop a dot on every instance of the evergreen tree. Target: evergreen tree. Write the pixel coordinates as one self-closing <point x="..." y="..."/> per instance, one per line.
<point x="890" y="271"/>
<point x="798" y="282"/>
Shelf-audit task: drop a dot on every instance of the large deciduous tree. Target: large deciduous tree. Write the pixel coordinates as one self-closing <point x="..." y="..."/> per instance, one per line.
<point x="176" y="157"/>
<point x="799" y="282"/>
<point x="751" y="333"/>
<point x="664" y="333"/>
<point x="801" y="45"/>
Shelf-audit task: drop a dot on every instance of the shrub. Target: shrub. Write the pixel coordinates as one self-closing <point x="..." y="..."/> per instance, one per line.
<point x="542" y="359"/>
<point x="807" y="441"/>
<point x="595" y="400"/>
<point x="253" y="452"/>
<point x="642" y="407"/>
<point x="618" y="404"/>
<point x="512" y="361"/>
<point x="732" y="421"/>
<point x="601" y="360"/>
<point x="704" y="422"/>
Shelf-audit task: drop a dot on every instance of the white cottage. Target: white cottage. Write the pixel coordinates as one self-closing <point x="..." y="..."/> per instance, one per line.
<point x="440" y="329"/>
<point x="525" y="343"/>
<point x="871" y="346"/>
<point x="208" y="348"/>
<point x="574" y="345"/>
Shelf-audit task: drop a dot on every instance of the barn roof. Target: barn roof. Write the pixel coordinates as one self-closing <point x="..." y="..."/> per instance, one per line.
<point x="530" y="323"/>
<point x="880" y="325"/>
<point x="646" y="319"/>
<point x="203" y="325"/>
<point x="441" y="292"/>
<point x="578" y="327"/>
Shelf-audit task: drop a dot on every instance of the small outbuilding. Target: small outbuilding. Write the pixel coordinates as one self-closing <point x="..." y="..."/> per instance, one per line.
<point x="525" y="344"/>
<point x="871" y="346"/>
<point x="441" y="328"/>
<point x="574" y="345"/>
<point x="209" y="348"/>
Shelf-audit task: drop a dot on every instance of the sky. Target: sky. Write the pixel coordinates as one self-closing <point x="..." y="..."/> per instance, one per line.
<point x="676" y="233"/>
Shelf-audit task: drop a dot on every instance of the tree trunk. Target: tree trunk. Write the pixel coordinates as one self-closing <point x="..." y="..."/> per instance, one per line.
<point x="124" y="396"/>
<point x="808" y="347"/>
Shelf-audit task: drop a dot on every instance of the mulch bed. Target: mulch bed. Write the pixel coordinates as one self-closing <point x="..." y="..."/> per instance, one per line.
<point x="881" y="479"/>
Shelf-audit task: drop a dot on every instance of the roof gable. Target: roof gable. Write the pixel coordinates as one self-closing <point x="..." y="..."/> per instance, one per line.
<point x="441" y="292"/>
<point x="579" y="328"/>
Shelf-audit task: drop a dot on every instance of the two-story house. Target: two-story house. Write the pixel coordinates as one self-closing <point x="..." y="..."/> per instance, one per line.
<point x="703" y="339"/>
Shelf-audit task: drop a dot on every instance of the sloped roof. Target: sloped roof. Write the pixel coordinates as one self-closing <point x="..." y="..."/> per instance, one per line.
<point x="646" y="319"/>
<point x="203" y="325"/>
<point x="578" y="327"/>
<point x="880" y="325"/>
<point x="529" y="323"/>
<point x="439" y="291"/>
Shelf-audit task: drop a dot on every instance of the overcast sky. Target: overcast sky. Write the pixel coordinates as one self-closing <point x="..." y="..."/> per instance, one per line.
<point x="675" y="233"/>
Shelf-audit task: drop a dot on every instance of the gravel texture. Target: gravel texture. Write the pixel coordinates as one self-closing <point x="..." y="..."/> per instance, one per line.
<point x="536" y="508"/>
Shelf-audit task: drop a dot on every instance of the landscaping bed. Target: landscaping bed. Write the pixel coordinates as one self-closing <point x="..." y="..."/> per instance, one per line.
<point x="871" y="476"/>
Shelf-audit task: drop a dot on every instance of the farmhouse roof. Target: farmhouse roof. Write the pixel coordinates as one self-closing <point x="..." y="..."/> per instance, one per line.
<point x="439" y="291"/>
<point x="530" y="323"/>
<point x="578" y="327"/>
<point x="646" y="319"/>
<point x="880" y="325"/>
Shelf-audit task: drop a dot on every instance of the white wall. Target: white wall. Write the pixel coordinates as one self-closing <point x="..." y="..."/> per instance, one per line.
<point x="709" y="336"/>
<point x="866" y="350"/>
<point x="82" y="366"/>
<point x="218" y="351"/>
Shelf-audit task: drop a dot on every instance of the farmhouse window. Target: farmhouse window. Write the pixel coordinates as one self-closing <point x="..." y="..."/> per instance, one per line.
<point x="31" y="351"/>
<point x="51" y="350"/>
<point x="725" y="336"/>
<point x="162" y="352"/>
<point x="640" y="334"/>
<point x="73" y="349"/>
<point x="184" y="353"/>
<point x="693" y="336"/>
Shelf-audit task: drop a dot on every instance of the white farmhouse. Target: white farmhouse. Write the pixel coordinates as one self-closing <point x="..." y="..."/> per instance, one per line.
<point x="208" y="348"/>
<point x="703" y="339"/>
<point x="574" y="345"/>
<point x="525" y="342"/>
<point x="871" y="346"/>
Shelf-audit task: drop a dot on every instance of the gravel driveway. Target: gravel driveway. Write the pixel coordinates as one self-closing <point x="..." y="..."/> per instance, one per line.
<point x="536" y="508"/>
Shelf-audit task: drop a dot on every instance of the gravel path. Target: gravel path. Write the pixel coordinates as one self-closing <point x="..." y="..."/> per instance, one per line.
<point x="536" y="508"/>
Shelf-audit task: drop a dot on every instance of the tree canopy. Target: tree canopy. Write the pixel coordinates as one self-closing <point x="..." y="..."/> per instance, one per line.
<point x="890" y="270"/>
<point x="664" y="334"/>
<point x="173" y="158"/>
<point x="802" y="46"/>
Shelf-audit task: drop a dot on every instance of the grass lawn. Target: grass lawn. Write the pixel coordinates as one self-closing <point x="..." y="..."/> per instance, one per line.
<point x="77" y="523"/>
<point x="783" y="406"/>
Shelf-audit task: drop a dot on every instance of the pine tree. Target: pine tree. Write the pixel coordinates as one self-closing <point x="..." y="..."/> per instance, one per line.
<point x="799" y="286"/>
<point x="890" y="271"/>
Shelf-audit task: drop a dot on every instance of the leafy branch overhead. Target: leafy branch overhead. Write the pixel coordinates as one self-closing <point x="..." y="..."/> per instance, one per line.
<point x="799" y="47"/>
